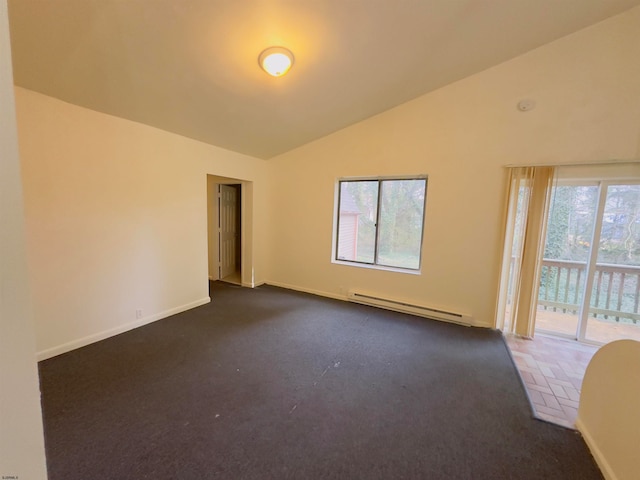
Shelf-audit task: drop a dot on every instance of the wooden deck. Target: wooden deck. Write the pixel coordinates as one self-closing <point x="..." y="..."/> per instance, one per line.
<point x="600" y="331"/>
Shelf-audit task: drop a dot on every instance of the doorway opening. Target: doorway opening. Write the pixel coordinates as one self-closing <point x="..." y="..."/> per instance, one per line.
<point x="571" y="268"/>
<point x="571" y="264"/>
<point x="229" y="233"/>
<point x="229" y="224"/>
<point x="590" y="273"/>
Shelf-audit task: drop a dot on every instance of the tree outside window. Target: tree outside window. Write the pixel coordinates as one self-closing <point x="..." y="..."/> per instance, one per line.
<point x="380" y="221"/>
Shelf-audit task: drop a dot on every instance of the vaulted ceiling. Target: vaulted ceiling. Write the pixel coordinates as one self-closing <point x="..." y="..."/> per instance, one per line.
<point x="190" y="66"/>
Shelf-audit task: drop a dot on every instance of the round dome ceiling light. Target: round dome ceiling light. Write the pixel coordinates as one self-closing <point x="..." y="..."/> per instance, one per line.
<point x="276" y="61"/>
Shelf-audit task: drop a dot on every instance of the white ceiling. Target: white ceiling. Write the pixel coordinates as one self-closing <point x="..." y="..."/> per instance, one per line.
<point x="190" y="66"/>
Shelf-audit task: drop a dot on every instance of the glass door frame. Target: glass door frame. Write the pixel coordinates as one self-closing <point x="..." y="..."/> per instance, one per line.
<point x="592" y="259"/>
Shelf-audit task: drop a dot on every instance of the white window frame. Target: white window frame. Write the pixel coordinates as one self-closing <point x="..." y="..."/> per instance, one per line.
<point x="336" y="217"/>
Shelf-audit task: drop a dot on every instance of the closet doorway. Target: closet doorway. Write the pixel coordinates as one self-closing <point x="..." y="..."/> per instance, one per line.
<point x="229" y="219"/>
<point x="229" y="233"/>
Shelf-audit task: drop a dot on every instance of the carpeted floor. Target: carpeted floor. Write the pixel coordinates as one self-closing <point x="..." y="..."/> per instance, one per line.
<point x="274" y="384"/>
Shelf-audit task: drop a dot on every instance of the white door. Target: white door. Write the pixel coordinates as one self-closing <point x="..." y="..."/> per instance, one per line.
<point x="228" y="229"/>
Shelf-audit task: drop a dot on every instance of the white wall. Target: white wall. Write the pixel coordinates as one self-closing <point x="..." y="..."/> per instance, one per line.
<point x="608" y="416"/>
<point x="587" y="90"/>
<point x="116" y="216"/>
<point x="21" y="437"/>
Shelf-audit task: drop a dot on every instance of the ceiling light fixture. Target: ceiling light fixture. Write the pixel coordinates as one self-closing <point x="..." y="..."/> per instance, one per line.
<point x="276" y="61"/>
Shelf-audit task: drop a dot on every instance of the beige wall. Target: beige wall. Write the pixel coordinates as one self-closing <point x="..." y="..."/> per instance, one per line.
<point x="117" y="220"/>
<point x="608" y="416"/>
<point x="587" y="90"/>
<point x="21" y="437"/>
<point x="117" y="211"/>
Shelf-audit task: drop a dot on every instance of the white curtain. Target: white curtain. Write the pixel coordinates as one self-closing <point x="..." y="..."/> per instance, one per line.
<point x="529" y="193"/>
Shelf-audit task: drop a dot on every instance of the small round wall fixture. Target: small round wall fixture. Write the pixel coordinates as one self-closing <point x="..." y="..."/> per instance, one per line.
<point x="526" y="105"/>
<point x="276" y="61"/>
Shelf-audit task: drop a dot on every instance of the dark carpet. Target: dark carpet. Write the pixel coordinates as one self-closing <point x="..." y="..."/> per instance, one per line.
<point x="274" y="384"/>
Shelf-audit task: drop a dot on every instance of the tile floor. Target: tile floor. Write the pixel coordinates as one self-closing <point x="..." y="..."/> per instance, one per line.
<point x="552" y="369"/>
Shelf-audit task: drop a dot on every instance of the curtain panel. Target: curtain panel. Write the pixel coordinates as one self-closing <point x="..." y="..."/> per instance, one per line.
<point x="527" y="209"/>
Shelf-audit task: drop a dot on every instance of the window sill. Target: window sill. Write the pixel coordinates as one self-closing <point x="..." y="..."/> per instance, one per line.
<point x="377" y="267"/>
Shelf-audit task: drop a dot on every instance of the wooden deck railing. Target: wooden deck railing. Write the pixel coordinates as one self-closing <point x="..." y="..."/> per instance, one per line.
<point x="616" y="289"/>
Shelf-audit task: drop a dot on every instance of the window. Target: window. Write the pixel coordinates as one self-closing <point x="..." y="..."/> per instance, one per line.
<point x="380" y="221"/>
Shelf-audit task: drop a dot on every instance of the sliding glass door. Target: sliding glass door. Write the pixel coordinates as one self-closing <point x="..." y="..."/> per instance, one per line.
<point x="590" y="274"/>
<point x="613" y="307"/>
<point x="563" y="271"/>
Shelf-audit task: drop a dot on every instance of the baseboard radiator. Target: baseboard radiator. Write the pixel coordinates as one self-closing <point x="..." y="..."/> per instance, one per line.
<point x="404" y="307"/>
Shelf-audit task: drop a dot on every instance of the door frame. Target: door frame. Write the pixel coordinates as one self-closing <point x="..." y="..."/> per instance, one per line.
<point x="247" y="274"/>
<point x="592" y="259"/>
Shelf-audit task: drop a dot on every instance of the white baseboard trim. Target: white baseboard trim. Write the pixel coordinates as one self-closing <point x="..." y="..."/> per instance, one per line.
<point x="96" y="337"/>
<point x="602" y="462"/>
<point x="307" y="290"/>
<point x="344" y="297"/>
